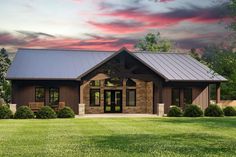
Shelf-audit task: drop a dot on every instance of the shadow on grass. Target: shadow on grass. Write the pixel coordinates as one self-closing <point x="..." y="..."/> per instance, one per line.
<point x="204" y="121"/>
<point x="172" y="144"/>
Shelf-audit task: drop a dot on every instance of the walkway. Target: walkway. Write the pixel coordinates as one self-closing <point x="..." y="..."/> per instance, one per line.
<point x="114" y="115"/>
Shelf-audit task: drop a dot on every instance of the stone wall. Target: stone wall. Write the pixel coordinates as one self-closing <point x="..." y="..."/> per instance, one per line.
<point x="144" y="98"/>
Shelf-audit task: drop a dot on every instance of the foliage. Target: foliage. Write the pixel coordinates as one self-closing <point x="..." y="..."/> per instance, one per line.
<point x="46" y="112"/>
<point x="5" y="89"/>
<point x="5" y="112"/>
<point x="154" y="43"/>
<point x="213" y="111"/>
<point x="232" y="11"/>
<point x="66" y="112"/>
<point x="192" y="110"/>
<point x="223" y="61"/>
<point x="24" y="112"/>
<point x="229" y="111"/>
<point x="175" y="112"/>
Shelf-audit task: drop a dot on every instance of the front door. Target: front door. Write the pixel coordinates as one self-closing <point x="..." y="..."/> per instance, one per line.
<point x="113" y="101"/>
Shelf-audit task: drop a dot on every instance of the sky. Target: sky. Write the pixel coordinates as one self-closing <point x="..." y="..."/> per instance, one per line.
<point x="110" y="24"/>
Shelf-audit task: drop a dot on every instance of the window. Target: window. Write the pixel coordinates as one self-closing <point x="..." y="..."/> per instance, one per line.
<point x="95" y="83"/>
<point x="94" y="97"/>
<point x="130" y="83"/>
<point x="113" y="82"/>
<point x="130" y="97"/>
<point x="39" y="94"/>
<point x="175" y="96"/>
<point x="188" y="96"/>
<point x="54" y="96"/>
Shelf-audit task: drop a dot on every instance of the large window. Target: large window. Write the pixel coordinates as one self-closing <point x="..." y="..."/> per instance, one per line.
<point x="188" y="96"/>
<point x="113" y="82"/>
<point x="175" y="96"/>
<point x="94" y="97"/>
<point x="54" y="96"/>
<point x="39" y="94"/>
<point x="130" y="97"/>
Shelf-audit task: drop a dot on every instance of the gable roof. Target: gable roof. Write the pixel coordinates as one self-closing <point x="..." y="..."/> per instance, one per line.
<point x="45" y="64"/>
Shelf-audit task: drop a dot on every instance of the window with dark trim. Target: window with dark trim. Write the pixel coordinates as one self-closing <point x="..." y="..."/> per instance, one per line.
<point x="113" y="82"/>
<point x="175" y="96"/>
<point x="94" y="83"/>
<point x="94" y="97"/>
<point x="39" y="94"/>
<point x="187" y="95"/>
<point x="54" y="96"/>
<point x="131" y="97"/>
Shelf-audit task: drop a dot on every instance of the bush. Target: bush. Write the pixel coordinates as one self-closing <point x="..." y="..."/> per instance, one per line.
<point x="24" y="112"/>
<point x="46" y="112"/>
<point x="193" y="111"/>
<point x="5" y="112"/>
<point x="66" y="112"/>
<point x="214" y="111"/>
<point x="175" y="112"/>
<point x="229" y="111"/>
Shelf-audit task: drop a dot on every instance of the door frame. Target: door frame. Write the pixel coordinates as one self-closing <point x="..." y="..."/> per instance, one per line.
<point x="112" y="92"/>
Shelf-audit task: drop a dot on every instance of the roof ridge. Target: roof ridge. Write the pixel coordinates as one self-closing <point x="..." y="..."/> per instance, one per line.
<point x="49" y="49"/>
<point x="148" y="52"/>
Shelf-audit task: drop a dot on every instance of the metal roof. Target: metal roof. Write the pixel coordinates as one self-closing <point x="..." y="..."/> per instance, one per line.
<point x="71" y="64"/>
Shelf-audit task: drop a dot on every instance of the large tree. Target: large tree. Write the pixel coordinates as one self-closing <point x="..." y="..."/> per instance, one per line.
<point x="4" y="84"/>
<point x="223" y="61"/>
<point x="154" y="43"/>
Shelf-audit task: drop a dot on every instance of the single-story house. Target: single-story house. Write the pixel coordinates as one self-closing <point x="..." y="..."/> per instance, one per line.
<point x="110" y="82"/>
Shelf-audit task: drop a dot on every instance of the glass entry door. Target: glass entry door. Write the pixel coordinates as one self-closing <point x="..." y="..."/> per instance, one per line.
<point x="112" y="101"/>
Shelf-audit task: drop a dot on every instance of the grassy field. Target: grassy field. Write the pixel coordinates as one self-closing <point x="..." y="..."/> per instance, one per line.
<point x="119" y="137"/>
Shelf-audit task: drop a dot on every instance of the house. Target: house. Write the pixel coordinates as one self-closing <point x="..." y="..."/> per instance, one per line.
<point x="110" y="82"/>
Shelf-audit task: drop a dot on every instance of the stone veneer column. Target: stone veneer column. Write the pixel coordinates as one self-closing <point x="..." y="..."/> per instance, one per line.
<point x="102" y="94"/>
<point x="124" y="95"/>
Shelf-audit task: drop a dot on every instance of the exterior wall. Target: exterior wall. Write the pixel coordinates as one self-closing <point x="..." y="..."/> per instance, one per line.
<point x="200" y="96"/>
<point x="144" y="98"/>
<point x="23" y="92"/>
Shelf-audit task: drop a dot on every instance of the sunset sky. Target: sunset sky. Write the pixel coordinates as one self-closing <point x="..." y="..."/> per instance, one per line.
<point x="109" y="24"/>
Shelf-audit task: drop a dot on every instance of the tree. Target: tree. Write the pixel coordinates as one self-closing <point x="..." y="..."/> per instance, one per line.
<point x="4" y="84"/>
<point x="223" y="61"/>
<point x="154" y="43"/>
<point x="232" y="11"/>
<point x="194" y="54"/>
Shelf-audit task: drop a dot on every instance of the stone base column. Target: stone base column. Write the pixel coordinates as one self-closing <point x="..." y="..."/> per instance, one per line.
<point x="13" y="108"/>
<point x="81" y="109"/>
<point x="160" y="109"/>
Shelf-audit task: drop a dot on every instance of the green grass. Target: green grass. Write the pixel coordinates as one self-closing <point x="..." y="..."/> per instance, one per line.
<point x="119" y="137"/>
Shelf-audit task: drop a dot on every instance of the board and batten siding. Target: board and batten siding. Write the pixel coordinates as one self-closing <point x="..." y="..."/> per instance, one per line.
<point x="200" y="97"/>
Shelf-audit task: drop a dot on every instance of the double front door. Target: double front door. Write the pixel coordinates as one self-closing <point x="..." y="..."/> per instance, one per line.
<point x="112" y="101"/>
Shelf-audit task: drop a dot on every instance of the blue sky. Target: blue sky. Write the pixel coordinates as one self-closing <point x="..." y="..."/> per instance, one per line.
<point x="109" y="24"/>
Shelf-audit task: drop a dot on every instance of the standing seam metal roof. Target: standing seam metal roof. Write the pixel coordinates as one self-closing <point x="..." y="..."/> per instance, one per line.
<point x="70" y="64"/>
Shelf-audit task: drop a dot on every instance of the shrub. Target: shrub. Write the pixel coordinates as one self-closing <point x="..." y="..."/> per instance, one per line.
<point x="66" y="112"/>
<point x="175" y="112"/>
<point x="5" y="112"/>
<point x="229" y="111"/>
<point x="24" y="112"/>
<point x="214" y="111"/>
<point x="46" y="112"/>
<point x="193" y="111"/>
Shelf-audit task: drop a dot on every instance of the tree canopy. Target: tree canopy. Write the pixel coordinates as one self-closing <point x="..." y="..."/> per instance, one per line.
<point x="154" y="43"/>
<point x="4" y="84"/>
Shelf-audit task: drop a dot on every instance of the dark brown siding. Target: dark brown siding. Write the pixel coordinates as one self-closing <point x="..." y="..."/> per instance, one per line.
<point x="199" y="93"/>
<point x="23" y="92"/>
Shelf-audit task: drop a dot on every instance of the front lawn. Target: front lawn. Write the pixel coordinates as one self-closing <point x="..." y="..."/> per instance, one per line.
<point x="119" y="137"/>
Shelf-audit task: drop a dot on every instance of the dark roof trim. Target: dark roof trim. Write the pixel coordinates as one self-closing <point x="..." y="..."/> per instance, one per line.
<point x="17" y="78"/>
